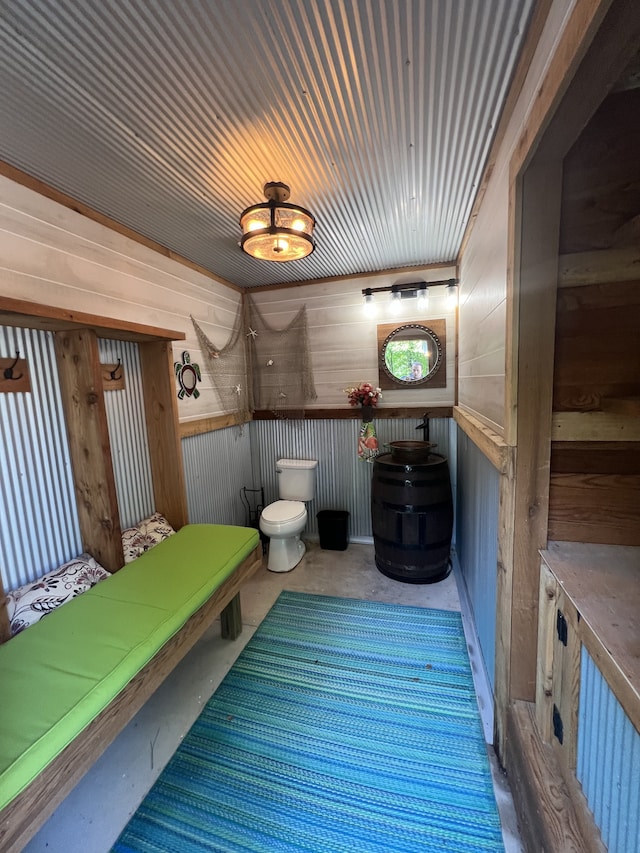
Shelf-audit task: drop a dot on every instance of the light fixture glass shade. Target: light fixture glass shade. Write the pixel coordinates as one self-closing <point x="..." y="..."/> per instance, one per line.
<point x="276" y="230"/>
<point x="370" y="308"/>
<point x="452" y="296"/>
<point x="422" y="299"/>
<point x="395" y="306"/>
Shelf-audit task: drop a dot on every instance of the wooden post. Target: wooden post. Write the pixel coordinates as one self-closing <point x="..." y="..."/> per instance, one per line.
<point x="87" y="430"/>
<point x="231" y="620"/>
<point x="161" y="409"/>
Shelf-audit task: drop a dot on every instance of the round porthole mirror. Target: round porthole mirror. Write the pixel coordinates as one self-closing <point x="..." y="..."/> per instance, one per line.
<point x="411" y="355"/>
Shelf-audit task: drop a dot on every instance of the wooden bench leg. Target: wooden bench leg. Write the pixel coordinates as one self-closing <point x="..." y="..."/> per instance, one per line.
<point x="231" y="619"/>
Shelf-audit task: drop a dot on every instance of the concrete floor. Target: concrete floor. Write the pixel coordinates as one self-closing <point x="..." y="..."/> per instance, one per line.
<point x="94" y="814"/>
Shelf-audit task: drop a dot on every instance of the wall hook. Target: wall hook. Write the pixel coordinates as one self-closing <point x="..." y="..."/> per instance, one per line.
<point x="112" y="373"/>
<point x="8" y="371"/>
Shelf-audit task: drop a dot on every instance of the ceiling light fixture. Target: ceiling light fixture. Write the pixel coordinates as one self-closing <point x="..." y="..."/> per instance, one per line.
<point x="276" y="230"/>
<point x="414" y="290"/>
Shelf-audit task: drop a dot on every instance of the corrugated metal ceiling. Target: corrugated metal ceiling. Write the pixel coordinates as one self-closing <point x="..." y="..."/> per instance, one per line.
<point x="169" y="117"/>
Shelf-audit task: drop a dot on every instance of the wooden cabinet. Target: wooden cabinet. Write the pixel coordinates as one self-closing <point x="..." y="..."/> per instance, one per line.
<point x="588" y="686"/>
<point x="558" y="678"/>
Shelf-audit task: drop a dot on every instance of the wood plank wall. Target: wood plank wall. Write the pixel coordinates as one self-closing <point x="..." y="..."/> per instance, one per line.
<point x="52" y="255"/>
<point x="343" y="341"/>
<point x="595" y="485"/>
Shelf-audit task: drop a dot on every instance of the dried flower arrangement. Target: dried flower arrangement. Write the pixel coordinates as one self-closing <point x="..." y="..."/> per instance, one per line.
<point x="364" y="394"/>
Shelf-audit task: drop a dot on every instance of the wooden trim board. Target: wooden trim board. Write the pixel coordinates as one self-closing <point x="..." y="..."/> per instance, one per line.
<point x="594" y="426"/>
<point x="350" y="413"/>
<point x="187" y="429"/>
<point x="34" y="315"/>
<point x="489" y="443"/>
<point x="21" y="819"/>
<point x="204" y="425"/>
<point x="552" y="811"/>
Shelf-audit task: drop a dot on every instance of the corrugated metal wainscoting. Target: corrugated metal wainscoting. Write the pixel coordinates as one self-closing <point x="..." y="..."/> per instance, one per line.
<point x="343" y="481"/>
<point x="478" y="485"/>
<point x="38" y="517"/>
<point x="128" y="434"/>
<point x="608" y="761"/>
<point x="217" y="465"/>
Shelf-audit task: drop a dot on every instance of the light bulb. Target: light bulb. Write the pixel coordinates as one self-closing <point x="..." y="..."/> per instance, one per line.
<point x="370" y="307"/>
<point x="280" y="244"/>
<point x="396" y="305"/>
<point x="298" y="225"/>
<point x="452" y="296"/>
<point x="422" y="301"/>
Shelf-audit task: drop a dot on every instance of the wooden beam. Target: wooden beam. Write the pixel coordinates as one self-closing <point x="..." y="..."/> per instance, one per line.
<point x="90" y="450"/>
<point x="537" y="286"/>
<point x="34" y="315"/>
<point x="165" y="452"/>
<point x="490" y="444"/>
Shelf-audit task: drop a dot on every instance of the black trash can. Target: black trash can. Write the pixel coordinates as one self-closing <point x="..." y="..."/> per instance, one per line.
<point x="333" y="525"/>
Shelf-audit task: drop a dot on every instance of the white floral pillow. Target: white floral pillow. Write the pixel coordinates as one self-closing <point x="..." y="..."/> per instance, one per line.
<point x="29" y="603"/>
<point x="150" y="531"/>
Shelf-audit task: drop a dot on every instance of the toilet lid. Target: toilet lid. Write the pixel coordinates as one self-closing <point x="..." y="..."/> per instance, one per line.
<point x="283" y="511"/>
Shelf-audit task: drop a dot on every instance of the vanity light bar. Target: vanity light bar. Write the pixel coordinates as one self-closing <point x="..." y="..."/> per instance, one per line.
<point x="410" y="290"/>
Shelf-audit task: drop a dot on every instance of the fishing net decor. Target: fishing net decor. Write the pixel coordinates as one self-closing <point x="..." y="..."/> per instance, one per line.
<point x="262" y="367"/>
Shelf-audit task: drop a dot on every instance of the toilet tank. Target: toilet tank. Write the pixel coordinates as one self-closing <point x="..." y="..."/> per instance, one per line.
<point x="296" y="479"/>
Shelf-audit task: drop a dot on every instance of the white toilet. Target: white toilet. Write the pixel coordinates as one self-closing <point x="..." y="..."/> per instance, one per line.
<point x="283" y="521"/>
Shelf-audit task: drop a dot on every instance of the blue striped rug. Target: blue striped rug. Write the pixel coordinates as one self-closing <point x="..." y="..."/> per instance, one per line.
<point x="344" y="725"/>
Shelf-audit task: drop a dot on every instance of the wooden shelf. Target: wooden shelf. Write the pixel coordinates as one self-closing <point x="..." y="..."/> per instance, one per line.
<point x="603" y="583"/>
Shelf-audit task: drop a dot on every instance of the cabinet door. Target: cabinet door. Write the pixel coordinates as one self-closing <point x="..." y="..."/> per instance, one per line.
<point x="558" y="669"/>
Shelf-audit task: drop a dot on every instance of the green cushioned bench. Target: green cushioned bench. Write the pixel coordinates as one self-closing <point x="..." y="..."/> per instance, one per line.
<point x="72" y="682"/>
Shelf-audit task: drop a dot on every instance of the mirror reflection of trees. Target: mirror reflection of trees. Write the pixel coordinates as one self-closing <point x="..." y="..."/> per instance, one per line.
<point x="408" y="360"/>
<point x="411" y="354"/>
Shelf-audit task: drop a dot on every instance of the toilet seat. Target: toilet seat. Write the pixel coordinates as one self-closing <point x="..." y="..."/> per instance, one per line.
<point x="281" y="511"/>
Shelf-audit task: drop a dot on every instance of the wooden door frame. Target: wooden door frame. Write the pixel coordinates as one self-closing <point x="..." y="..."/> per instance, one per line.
<point x="599" y="40"/>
